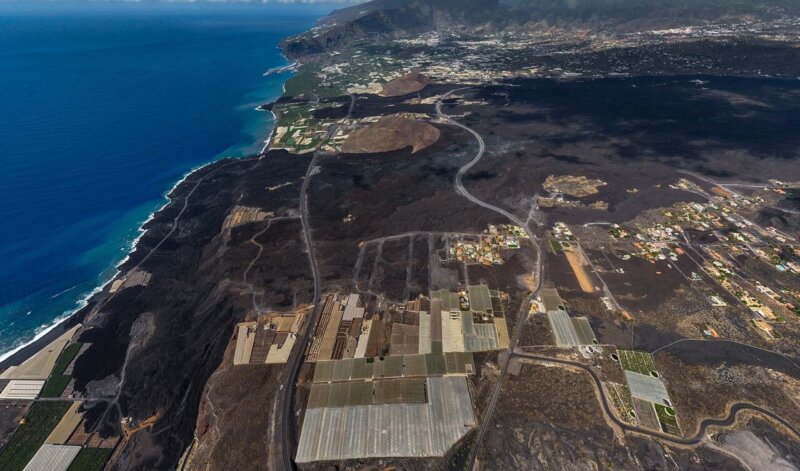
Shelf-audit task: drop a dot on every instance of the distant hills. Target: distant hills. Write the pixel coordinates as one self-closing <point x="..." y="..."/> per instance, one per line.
<point x="393" y="18"/>
<point x="430" y="12"/>
<point x="665" y="12"/>
<point x="405" y="18"/>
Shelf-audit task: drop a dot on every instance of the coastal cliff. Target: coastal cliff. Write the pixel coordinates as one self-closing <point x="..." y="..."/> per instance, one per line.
<point x="154" y="347"/>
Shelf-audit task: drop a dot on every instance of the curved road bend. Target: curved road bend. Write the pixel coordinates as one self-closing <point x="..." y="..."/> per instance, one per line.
<point x="286" y="395"/>
<point x="704" y="425"/>
<point x="727" y="421"/>
<point x="459" y="184"/>
<point x="466" y="168"/>
<point x="523" y="314"/>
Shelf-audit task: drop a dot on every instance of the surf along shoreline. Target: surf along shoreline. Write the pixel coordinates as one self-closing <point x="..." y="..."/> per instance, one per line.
<point x="102" y="291"/>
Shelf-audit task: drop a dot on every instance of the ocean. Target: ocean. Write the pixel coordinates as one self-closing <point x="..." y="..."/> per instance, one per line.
<point x="103" y="108"/>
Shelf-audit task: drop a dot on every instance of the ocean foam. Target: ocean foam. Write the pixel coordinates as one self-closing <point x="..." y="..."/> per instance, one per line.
<point x="44" y="329"/>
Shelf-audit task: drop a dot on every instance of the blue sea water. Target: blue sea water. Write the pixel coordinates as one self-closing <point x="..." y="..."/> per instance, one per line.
<point x="103" y="107"/>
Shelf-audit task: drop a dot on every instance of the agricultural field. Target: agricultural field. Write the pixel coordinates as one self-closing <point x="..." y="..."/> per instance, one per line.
<point x="90" y="459"/>
<point x="621" y="397"/>
<point x="40" y="421"/>
<point x="668" y="419"/>
<point x="59" y="381"/>
<point x="639" y="362"/>
<point x="306" y="82"/>
<point x="56" y="385"/>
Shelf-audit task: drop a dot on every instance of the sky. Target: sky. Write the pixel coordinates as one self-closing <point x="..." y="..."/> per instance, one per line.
<point x="345" y="2"/>
<point x="335" y="2"/>
<point x="342" y="2"/>
<point x="315" y="1"/>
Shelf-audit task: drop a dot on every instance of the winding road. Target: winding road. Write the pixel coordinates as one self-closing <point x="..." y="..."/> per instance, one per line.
<point x="727" y="421"/>
<point x="698" y="438"/>
<point x="250" y="288"/>
<point x="522" y="316"/>
<point x="287" y="392"/>
<point x="466" y="168"/>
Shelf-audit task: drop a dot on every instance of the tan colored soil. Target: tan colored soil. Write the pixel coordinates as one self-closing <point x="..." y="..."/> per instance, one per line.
<point x="577" y="186"/>
<point x="409" y="83"/>
<point x="390" y="134"/>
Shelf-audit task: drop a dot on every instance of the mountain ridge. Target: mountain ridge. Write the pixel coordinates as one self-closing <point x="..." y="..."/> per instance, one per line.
<point x="394" y="19"/>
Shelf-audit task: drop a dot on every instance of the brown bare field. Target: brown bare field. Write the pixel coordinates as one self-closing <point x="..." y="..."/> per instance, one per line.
<point x="409" y="83"/>
<point x="390" y="134"/>
<point x="577" y="186"/>
<point x="578" y="268"/>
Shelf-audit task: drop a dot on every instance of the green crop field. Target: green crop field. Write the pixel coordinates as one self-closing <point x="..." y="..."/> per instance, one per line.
<point x="55" y="385"/>
<point x="58" y="381"/>
<point x="306" y="82"/>
<point x="639" y="362"/>
<point x="41" y="420"/>
<point x="90" y="459"/>
<point x="668" y="419"/>
<point x="66" y="358"/>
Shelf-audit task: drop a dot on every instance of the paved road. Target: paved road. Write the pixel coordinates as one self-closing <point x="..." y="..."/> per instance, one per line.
<point x="459" y="184"/>
<point x="287" y="392"/>
<point x="704" y="425"/>
<point x="466" y="168"/>
<point x="727" y="421"/>
<point x="522" y="316"/>
<point x="733" y="184"/>
<point x="785" y="210"/>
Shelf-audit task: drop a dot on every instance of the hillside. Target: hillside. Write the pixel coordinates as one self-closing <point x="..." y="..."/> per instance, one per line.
<point x="406" y="18"/>
<point x="391" y="18"/>
<point x="654" y="13"/>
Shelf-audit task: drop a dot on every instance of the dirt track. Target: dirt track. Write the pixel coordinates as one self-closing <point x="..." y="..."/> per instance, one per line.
<point x="574" y="259"/>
